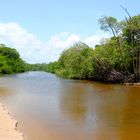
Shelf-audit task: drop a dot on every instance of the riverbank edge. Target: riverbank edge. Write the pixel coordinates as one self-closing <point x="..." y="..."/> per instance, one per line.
<point x="134" y="84"/>
<point x="122" y="80"/>
<point x="8" y="127"/>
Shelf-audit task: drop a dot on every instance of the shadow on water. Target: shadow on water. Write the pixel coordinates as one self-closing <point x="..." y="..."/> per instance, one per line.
<point x="73" y="102"/>
<point x="130" y="126"/>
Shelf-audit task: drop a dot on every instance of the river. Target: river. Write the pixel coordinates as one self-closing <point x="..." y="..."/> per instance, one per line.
<point x="51" y="108"/>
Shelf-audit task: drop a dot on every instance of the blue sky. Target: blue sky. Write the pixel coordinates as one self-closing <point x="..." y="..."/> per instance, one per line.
<point x="41" y="29"/>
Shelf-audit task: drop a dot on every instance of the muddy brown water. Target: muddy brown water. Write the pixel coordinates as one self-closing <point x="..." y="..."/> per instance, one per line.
<point x="51" y="108"/>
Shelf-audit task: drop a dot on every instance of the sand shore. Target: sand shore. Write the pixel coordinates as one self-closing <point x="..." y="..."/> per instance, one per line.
<point x="8" y="126"/>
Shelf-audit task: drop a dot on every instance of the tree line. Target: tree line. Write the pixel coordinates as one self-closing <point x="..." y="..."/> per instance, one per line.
<point x="115" y="60"/>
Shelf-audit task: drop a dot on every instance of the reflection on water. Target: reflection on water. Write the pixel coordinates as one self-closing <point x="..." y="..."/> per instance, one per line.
<point x="73" y="102"/>
<point x="51" y="108"/>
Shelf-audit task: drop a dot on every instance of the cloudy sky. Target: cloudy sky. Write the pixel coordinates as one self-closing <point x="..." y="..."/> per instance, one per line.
<point x="41" y="29"/>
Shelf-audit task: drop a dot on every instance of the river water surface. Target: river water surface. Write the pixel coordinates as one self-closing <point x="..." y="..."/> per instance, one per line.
<point x="51" y="108"/>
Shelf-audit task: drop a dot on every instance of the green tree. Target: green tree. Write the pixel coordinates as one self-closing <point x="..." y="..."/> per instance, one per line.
<point x="76" y="62"/>
<point x="111" y="24"/>
<point x="10" y="61"/>
<point x="131" y="32"/>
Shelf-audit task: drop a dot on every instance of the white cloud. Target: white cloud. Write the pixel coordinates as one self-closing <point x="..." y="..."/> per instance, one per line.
<point x="32" y="50"/>
<point x="95" y="39"/>
<point x="60" y="42"/>
<point x="28" y="46"/>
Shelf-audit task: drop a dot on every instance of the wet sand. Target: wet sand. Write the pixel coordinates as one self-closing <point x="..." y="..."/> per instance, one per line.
<point x="8" y="126"/>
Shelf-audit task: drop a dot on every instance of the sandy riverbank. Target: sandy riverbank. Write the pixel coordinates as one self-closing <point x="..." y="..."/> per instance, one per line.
<point x="8" y="126"/>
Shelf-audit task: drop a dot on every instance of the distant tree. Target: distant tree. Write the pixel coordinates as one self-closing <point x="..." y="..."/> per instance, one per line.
<point x="10" y="61"/>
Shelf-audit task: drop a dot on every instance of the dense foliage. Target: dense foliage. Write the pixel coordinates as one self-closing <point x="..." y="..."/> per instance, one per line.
<point x="116" y="60"/>
<point x="76" y="62"/>
<point x="10" y="61"/>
